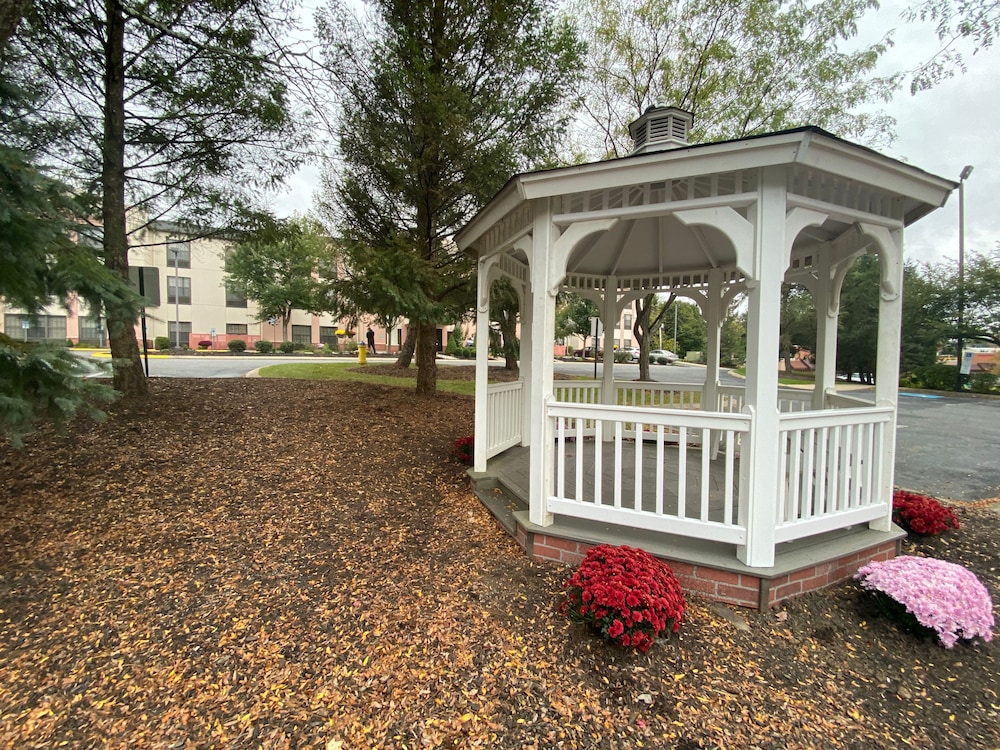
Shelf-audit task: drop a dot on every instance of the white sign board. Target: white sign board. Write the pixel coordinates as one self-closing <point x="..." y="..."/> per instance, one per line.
<point x="966" y="362"/>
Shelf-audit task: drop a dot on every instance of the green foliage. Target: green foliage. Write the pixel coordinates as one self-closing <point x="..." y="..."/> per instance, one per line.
<point x="742" y="67"/>
<point x="45" y="382"/>
<point x="440" y="104"/>
<point x="274" y="263"/>
<point x="41" y="264"/>
<point x="857" y="340"/>
<point x="161" y="342"/>
<point x="573" y="314"/>
<point x="171" y="108"/>
<point x="237" y="345"/>
<point x="264" y="347"/>
<point x="455" y="342"/>
<point x="937" y="377"/>
<point x="975" y="22"/>
<point x="286" y="347"/>
<point x="984" y="382"/>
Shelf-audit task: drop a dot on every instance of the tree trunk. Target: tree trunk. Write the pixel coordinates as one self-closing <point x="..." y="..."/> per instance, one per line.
<point x="642" y="309"/>
<point x="409" y="344"/>
<point x="11" y="12"/>
<point x="426" y="359"/>
<point x="129" y="377"/>
<point x="511" y="346"/>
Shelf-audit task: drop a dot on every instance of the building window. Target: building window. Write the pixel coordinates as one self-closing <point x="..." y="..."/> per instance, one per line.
<point x="301" y="334"/>
<point x="178" y="286"/>
<point x="91" y="330"/>
<point x="328" y="335"/>
<point x="628" y="343"/>
<point x="178" y="254"/>
<point x="150" y="276"/>
<point x="236" y="329"/>
<point x="235" y="296"/>
<point x="185" y="331"/>
<point x="628" y="321"/>
<point x="39" y="328"/>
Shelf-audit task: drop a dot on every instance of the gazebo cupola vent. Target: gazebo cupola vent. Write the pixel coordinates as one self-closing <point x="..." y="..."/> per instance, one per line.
<point x="660" y="129"/>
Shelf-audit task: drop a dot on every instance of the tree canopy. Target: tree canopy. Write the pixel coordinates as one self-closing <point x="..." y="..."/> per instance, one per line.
<point x="158" y="109"/>
<point x="440" y="103"/>
<point x="741" y="67"/>
<point x="278" y="266"/>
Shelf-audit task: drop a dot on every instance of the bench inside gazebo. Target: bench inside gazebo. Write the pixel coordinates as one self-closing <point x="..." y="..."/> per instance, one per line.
<point x="751" y="494"/>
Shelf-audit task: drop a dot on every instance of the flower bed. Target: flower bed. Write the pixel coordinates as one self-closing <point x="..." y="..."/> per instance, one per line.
<point x="921" y="514"/>
<point x="936" y="595"/>
<point x="626" y="595"/>
<point x="464" y="449"/>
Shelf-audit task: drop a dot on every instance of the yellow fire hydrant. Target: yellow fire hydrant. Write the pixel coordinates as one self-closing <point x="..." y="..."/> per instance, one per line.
<point x="362" y="355"/>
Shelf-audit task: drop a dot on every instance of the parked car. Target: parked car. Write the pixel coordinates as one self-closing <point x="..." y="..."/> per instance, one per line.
<point x="662" y="357"/>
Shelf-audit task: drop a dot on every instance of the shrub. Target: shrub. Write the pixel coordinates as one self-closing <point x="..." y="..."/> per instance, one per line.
<point x="984" y="382"/>
<point x="920" y="514"/>
<point x="626" y="595"/>
<point x="205" y="344"/>
<point x="464" y="449"/>
<point x="264" y="347"/>
<point x="161" y="342"/>
<point x="237" y="345"/>
<point x="286" y="347"/>
<point x="938" y="377"/>
<point x="929" y="595"/>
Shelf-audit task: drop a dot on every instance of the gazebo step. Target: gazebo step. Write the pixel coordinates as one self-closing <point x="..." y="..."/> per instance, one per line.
<point x="498" y="501"/>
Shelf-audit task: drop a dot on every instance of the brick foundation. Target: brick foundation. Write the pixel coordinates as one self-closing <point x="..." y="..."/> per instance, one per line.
<point x="730" y="587"/>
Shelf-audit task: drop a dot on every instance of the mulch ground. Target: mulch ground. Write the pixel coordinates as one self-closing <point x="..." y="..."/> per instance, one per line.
<point x="287" y="564"/>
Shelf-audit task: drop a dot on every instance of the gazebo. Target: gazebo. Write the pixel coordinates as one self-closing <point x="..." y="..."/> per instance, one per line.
<point x="753" y="494"/>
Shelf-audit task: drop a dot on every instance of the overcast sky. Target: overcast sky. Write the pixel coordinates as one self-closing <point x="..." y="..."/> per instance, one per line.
<point x="940" y="131"/>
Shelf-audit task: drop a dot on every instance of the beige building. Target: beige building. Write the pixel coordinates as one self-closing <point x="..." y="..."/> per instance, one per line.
<point x="183" y="279"/>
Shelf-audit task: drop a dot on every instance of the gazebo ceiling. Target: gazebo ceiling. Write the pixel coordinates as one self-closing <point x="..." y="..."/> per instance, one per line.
<point x="649" y="194"/>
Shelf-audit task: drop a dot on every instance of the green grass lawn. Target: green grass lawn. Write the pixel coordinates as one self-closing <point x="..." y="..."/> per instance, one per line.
<point x="342" y="371"/>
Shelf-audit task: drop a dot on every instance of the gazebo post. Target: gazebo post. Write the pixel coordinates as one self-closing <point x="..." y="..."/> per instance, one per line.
<point x="483" y="282"/>
<point x="890" y="322"/>
<point x="609" y="314"/>
<point x="713" y="333"/>
<point x="543" y="319"/>
<point x="826" y="298"/>
<point x="759" y="480"/>
<point x="526" y="364"/>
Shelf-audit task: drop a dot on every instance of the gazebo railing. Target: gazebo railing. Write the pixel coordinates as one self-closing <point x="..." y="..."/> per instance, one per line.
<point x="830" y="470"/>
<point x="650" y="483"/>
<point x="504" y="406"/>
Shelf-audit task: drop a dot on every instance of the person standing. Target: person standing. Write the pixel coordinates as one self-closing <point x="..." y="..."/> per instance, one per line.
<point x="371" y="340"/>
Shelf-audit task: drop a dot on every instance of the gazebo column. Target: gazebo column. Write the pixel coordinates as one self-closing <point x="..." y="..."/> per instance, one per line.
<point x="759" y="463"/>
<point x="543" y="323"/>
<point x="890" y="321"/>
<point x="826" y="299"/>
<point x="526" y="364"/>
<point x="483" y="282"/>
<point x="713" y="332"/>
<point x="609" y="315"/>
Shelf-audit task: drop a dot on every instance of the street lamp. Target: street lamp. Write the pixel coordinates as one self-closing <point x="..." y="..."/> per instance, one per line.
<point x="966" y="171"/>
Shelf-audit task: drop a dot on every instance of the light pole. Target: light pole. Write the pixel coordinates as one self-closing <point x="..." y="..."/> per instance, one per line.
<point x="966" y="171"/>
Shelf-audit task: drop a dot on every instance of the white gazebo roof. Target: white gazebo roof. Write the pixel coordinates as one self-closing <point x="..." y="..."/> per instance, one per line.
<point x="652" y="196"/>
